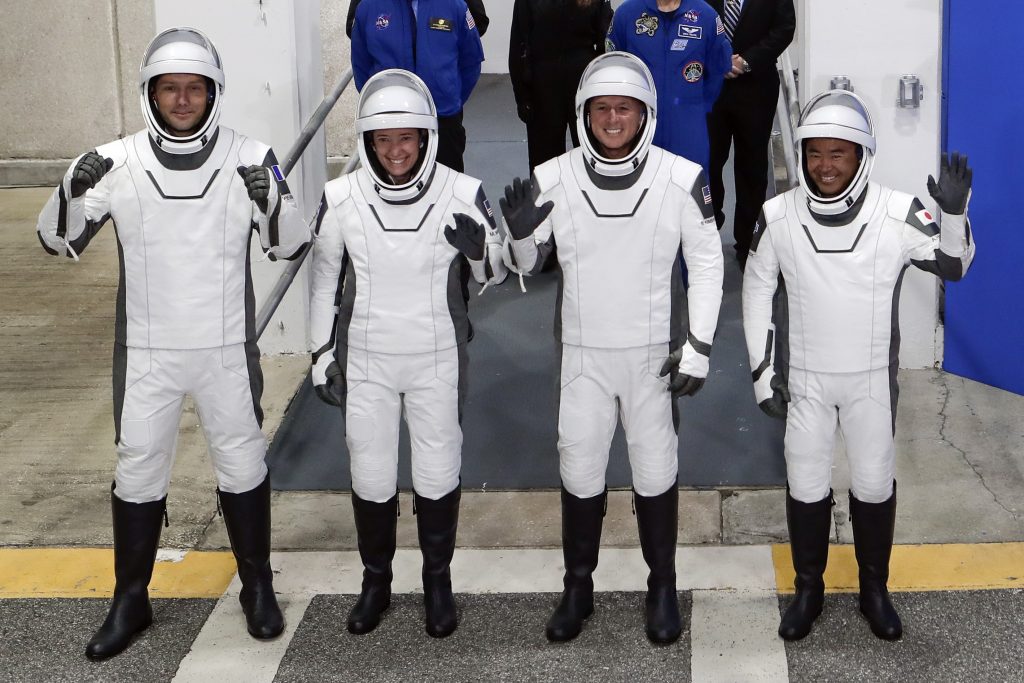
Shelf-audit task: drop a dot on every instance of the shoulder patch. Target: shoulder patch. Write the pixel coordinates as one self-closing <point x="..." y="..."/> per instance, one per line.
<point x="484" y="207"/>
<point x="760" y="228"/>
<point x="921" y="218"/>
<point x="701" y="193"/>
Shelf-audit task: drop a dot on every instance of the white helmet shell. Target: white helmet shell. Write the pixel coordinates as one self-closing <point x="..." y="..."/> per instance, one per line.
<point x="396" y="98"/>
<point x="842" y="115"/>
<point x="181" y="51"/>
<point x="625" y="75"/>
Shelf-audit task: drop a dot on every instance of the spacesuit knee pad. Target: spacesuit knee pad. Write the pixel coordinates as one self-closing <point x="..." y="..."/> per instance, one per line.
<point x="875" y="490"/>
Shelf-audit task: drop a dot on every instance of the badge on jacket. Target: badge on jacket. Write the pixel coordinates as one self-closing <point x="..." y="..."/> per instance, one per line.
<point x="383" y="21"/>
<point x="691" y="16"/>
<point x="440" y="24"/>
<point x="691" y="32"/>
<point x="693" y="71"/>
<point x="646" y="24"/>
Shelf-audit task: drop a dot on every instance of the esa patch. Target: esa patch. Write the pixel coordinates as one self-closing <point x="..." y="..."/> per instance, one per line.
<point x="440" y="24"/>
<point x="383" y="21"/>
<point x="693" y="71"/>
<point x="469" y="20"/>
<point x="691" y="16"/>
<point x="690" y="32"/>
<point x="647" y="24"/>
<point x="679" y="44"/>
<point x="706" y="191"/>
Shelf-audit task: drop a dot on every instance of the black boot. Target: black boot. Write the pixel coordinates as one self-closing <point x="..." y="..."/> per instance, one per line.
<point x="247" y="519"/>
<point x="376" y="526"/>
<point x="581" y="540"/>
<point x="809" y="525"/>
<point x="873" y="527"/>
<point x="436" y="523"/>
<point x="136" y="537"/>
<point x="657" y="518"/>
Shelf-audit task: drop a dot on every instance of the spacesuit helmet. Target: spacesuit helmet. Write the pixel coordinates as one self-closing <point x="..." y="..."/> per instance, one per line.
<point x="625" y="75"/>
<point x="396" y="98"/>
<point x="842" y="115"/>
<point x="181" y="50"/>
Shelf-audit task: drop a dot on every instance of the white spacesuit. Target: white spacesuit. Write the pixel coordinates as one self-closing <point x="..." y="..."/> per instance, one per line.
<point x="184" y="206"/>
<point x="388" y="318"/>
<point x="617" y="225"/>
<point x="841" y="257"/>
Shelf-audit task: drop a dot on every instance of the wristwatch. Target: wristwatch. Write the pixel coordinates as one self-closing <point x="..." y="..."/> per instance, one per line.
<point x="746" y="65"/>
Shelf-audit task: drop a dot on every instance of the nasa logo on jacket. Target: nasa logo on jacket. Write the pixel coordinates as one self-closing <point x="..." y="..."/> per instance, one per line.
<point x="691" y="16"/>
<point x="383" y="21"/>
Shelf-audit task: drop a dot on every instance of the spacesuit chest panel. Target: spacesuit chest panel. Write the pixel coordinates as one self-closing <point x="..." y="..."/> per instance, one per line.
<point x="401" y="262"/>
<point x="185" y="241"/>
<point x="616" y="267"/>
<point x="840" y="282"/>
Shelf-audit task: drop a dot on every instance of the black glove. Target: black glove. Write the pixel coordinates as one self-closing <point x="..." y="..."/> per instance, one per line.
<point x="521" y="215"/>
<point x="257" y="184"/>
<point x="467" y="236"/>
<point x="954" y="186"/>
<point x="88" y="171"/>
<point x="776" y="406"/>
<point x="333" y="391"/>
<point x="525" y="111"/>
<point x="680" y="385"/>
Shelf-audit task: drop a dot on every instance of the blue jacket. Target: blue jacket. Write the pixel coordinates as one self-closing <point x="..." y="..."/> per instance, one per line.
<point x="440" y="44"/>
<point x="688" y="55"/>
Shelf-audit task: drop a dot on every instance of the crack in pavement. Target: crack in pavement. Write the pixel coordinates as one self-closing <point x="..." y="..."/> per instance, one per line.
<point x="944" y="382"/>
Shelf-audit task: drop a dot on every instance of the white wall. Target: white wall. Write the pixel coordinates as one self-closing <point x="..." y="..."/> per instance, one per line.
<point x="273" y="81"/>
<point x="874" y="42"/>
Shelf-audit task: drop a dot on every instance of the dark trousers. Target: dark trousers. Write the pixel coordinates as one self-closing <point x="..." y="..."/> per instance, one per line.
<point x="554" y="110"/>
<point x="742" y="117"/>
<point x="451" y="141"/>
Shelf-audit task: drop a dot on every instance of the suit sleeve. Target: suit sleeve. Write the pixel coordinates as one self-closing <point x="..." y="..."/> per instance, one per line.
<point x="66" y="225"/>
<point x="351" y="18"/>
<point x="617" y="34"/>
<point x="763" y="54"/>
<point x="283" y="233"/>
<point x="471" y="54"/>
<point x="719" y="63"/>
<point x="518" y="56"/>
<point x="329" y="258"/>
<point x="760" y="280"/>
<point x="479" y="12"/>
<point x="946" y="250"/>
<point x="702" y="251"/>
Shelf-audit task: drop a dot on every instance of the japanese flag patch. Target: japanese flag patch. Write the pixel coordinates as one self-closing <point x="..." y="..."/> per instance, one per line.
<point x="925" y="216"/>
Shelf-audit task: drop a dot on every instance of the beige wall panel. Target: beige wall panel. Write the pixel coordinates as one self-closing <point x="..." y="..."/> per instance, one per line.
<point x="135" y="28"/>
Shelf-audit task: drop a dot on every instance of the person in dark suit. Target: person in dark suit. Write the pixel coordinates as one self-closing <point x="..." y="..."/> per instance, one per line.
<point x="551" y="42"/>
<point x="743" y="115"/>
<point x="476" y="8"/>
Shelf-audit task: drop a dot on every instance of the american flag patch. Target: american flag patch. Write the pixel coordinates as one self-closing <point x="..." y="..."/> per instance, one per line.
<point x="924" y="216"/>
<point x="469" y="20"/>
<point x="706" y="191"/>
<point x="719" y="27"/>
<point x="488" y="209"/>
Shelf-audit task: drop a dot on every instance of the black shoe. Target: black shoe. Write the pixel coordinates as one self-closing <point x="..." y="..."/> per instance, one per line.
<point x="657" y="518"/>
<point x="581" y="540"/>
<point x="136" y="537"/>
<point x="247" y="519"/>
<point x="873" y="528"/>
<point x="436" y="524"/>
<point x="376" y="526"/>
<point x="809" y="525"/>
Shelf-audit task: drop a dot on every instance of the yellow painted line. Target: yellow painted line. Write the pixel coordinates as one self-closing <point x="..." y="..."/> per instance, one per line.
<point x="939" y="567"/>
<point x="89" y="573"/>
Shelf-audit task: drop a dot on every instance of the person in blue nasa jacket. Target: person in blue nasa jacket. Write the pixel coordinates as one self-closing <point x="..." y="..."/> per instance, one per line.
<point x="435" y="39"/>
<point x="683" y="43"/>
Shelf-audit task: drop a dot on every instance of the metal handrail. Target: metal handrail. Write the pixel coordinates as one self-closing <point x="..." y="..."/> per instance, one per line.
<point x="284" y="281"/>
<point x="788" y="104"/>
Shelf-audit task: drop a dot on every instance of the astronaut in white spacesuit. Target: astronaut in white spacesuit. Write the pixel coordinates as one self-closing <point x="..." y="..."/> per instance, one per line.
<point x="184" y="219"/>
<point x="386" y="230"/>
<point x="617" y="211"/>
<point x="841" y="244"/>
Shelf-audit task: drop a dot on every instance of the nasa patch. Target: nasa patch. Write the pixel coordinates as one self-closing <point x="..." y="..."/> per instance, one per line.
<point x="693" y="71"/>
<point x="690" y="32"/>
<point x="691" y="16"/>
<point x="383" y="21"/>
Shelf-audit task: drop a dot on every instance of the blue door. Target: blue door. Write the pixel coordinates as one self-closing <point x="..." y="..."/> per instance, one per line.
<point x="983" y="115"/>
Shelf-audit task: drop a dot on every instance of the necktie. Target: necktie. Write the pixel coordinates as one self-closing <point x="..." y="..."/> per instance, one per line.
<point x="732" y="16"/>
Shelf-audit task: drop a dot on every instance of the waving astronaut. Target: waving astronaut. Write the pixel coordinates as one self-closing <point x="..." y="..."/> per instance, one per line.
<point x="841" y="244"/>
<point x="410" y="232"/>
<point x="617" y="211"/>
<point x="183" y="218"/>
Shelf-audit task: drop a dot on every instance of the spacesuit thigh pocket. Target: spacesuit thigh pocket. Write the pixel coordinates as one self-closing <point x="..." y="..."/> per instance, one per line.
<point x="571" y="364"/>
<point x="138" y="366"/>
